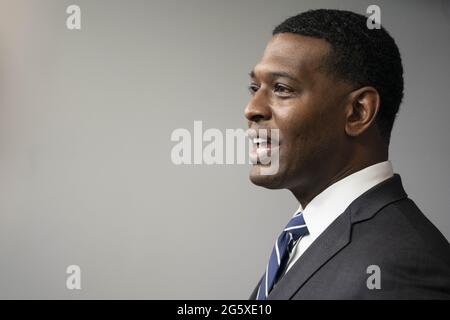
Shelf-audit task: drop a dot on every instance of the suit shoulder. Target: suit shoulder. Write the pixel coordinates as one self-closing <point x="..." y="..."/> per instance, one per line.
<point x="412" y="253"/>
<point x="403" y="227"/>
<point x="421" y="229"/>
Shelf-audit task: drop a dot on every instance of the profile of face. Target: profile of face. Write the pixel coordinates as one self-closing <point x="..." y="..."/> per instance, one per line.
<point x="291" y="91"/>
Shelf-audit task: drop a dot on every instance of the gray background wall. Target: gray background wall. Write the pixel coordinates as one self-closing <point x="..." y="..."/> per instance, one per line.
<point x="85" y="124"/>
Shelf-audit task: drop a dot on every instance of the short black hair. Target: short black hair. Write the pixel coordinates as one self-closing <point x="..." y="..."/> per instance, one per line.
<point x="359" y="55"/>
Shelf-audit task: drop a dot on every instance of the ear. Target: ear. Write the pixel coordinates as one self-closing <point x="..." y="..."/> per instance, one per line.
<point x="361" y="110"/>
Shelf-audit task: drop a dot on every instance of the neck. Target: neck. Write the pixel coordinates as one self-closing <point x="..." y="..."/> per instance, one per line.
<point x="305" y="193"/>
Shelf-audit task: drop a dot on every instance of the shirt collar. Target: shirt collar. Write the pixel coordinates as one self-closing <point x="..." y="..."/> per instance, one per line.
<point x="332" y="202"/>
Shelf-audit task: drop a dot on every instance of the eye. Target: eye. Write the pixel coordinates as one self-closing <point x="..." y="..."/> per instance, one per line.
<point x="282" y="90"/>
<point x="253" y="88"/>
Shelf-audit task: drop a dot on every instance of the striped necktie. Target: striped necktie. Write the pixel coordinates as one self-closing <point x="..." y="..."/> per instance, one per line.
<point x="294" y="230"/>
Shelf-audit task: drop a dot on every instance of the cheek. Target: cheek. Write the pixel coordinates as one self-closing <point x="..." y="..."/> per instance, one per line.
<point x="301" y="125"/>
<point x="308" y="134"/>
<point x="299" y="141"/>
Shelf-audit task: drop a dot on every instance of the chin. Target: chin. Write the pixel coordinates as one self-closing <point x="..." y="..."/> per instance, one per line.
<point x="271" y="181"/>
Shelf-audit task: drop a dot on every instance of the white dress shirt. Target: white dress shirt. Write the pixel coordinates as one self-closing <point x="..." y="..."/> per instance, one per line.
<point x="332" y="202"/>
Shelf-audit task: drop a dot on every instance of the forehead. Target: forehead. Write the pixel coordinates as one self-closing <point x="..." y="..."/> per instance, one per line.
<point x="293" y="53"/>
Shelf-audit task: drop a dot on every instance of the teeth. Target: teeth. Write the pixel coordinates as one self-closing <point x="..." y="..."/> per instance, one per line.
<point x="259" y="140"/>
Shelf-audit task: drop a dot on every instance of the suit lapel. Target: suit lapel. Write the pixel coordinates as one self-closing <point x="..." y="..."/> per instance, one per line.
<point x="255" y="291"/>
<point x="337" y="236"/>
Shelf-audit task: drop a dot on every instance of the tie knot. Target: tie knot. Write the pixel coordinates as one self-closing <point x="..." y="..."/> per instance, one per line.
<point x="296" y="226"/>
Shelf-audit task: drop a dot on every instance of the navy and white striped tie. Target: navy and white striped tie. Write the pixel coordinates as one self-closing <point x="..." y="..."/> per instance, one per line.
<point x="294" y="230"/>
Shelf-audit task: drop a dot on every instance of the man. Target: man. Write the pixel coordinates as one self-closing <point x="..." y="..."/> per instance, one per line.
<point x="332" y="87"/>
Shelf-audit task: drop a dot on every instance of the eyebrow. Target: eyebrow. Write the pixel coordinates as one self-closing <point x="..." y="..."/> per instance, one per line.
<point x="275" y="74"/>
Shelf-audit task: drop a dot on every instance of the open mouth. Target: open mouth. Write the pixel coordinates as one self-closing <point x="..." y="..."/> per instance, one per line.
<point x="263" y="148"/>
<point x="262" y="143"/>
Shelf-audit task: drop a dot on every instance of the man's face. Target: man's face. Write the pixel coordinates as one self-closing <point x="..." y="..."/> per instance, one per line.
<point x="292" y="92"/>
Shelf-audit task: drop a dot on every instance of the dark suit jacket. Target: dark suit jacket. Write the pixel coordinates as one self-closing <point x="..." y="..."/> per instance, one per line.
<point x="382" y="227"/>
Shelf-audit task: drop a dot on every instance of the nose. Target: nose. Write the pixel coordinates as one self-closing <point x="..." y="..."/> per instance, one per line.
<point x="258" y="108"/>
